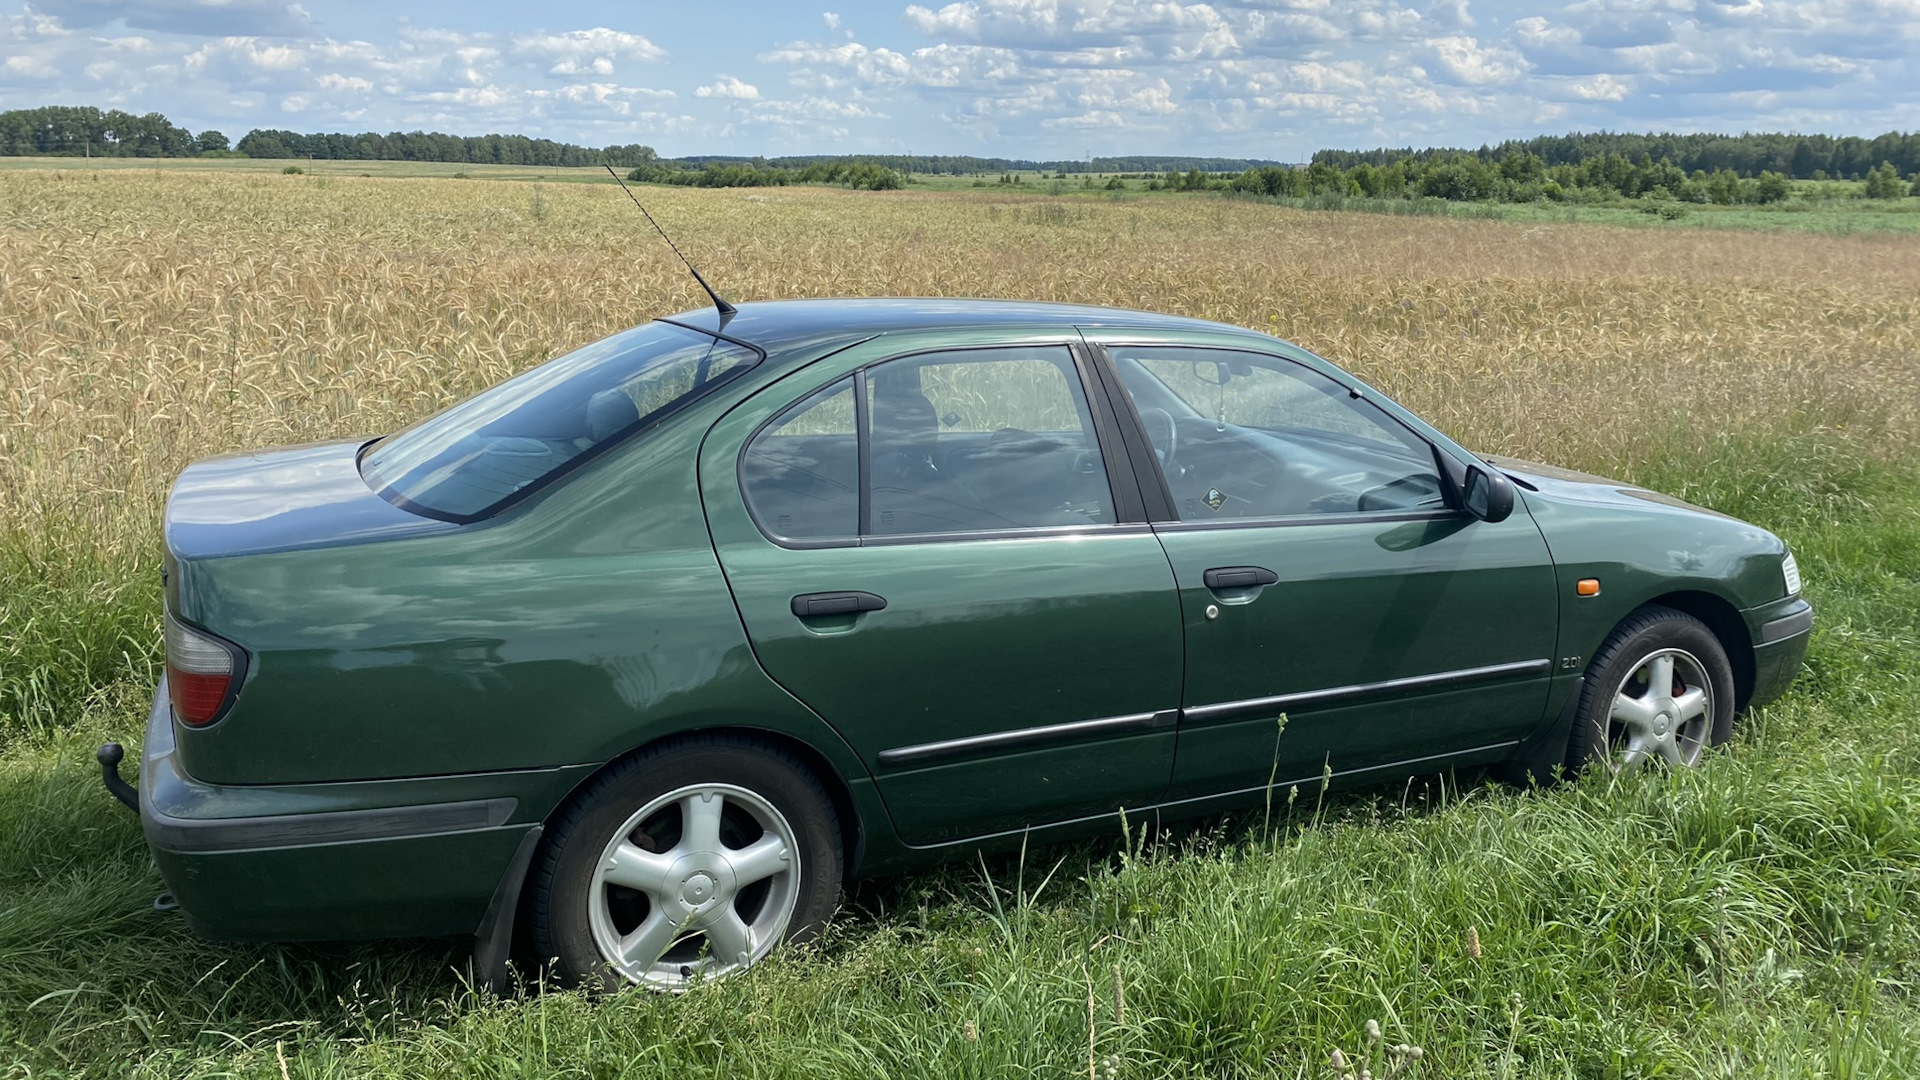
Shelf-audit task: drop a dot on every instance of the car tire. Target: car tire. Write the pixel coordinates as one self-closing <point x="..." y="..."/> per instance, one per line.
<point x="1624" y="720"/>
<point x="689" y="861"/>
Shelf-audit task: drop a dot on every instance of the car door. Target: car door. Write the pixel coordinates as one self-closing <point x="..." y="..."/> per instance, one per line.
<point x="926" y="547"/>
<point x="1324" y="574"/>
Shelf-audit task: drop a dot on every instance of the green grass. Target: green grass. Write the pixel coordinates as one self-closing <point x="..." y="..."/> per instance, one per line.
<point x="1825" y="216"/>
<point x="1757" y="917"/>
<point x="74" y="625"/>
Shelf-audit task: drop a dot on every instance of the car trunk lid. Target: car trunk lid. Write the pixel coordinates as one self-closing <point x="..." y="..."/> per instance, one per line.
<point x="273" y="500"/>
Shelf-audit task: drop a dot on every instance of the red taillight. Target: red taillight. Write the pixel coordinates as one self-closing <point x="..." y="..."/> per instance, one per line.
<point x="200" y="670"/>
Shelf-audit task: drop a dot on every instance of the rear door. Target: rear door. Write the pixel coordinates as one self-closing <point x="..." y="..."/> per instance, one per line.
<point x="938" y="546"/>
<point x="1324" y="575"/>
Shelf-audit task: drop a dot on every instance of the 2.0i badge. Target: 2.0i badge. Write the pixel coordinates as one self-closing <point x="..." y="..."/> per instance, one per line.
<point x="1216" y="499"/>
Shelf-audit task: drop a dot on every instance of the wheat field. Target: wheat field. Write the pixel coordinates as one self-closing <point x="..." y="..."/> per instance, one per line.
<point x="152" y="317"/>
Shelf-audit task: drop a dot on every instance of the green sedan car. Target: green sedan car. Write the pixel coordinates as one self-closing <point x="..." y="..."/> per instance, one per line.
<point x="628" y="663"/>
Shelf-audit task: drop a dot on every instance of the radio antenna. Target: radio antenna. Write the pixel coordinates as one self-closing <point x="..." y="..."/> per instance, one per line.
<point x="725" y="309"/>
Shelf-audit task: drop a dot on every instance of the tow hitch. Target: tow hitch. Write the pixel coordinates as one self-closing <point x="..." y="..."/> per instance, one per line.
<point x="110" y="756"/>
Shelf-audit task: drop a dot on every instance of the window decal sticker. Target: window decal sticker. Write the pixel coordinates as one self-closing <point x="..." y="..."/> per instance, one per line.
<point x="1216" y="499"/>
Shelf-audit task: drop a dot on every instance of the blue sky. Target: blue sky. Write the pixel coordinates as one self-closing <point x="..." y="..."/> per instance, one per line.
<point x="1035" y="78"/>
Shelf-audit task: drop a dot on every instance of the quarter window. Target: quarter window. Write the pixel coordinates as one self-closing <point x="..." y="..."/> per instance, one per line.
<point x="1246" y="435"/>
<point x="801" y="475"/>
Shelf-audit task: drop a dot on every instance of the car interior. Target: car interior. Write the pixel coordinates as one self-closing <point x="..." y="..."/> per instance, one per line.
<point x="923" y="479"/>
<point x="1219" y="469"/>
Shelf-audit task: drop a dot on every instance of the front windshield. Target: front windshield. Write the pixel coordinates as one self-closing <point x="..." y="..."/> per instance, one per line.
<point x="476" y="457"/>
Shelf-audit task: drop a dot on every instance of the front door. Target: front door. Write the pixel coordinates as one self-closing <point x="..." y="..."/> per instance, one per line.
<point x="926" y="550"/>
<point x="1323" y="575"/>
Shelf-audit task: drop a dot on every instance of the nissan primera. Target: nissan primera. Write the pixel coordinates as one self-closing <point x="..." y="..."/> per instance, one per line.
<point x="641" y="654"/>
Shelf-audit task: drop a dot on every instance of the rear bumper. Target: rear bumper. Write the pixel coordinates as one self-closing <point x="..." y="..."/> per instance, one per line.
<point x="390" y="858"/>
<point x="1780" y="636"/>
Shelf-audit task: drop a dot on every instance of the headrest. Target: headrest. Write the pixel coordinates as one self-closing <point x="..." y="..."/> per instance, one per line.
<point x="610" y="412"/>
<point x="902" y="414"/>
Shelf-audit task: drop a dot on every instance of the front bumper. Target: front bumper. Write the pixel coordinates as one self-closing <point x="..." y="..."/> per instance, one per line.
<point x="387" y="858"/>
<point x="1780" y="636"/>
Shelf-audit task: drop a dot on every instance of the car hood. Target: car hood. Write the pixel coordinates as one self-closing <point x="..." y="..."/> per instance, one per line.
<point x="280" y="500"/>
<point x="1558" y="483"/>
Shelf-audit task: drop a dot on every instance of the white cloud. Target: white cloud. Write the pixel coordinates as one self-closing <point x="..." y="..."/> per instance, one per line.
<point x="1602" y="88"/>
<point x="1475" y="64"/>
<point x="1265" y="78"/>
<point x="729" y="87"/>
<point x="1535" y="32"/>
<point x="579" y="52"/>
<point x="560" y="85"/>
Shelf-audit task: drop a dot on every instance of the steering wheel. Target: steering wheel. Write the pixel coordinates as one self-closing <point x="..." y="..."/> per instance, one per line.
<point x="1163" y="433"/>
<point x="1416" y="492"/>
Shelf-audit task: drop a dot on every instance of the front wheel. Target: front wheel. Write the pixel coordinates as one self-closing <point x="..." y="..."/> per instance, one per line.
<point x="690" y="861"/>
<point x="1660" y="690"/>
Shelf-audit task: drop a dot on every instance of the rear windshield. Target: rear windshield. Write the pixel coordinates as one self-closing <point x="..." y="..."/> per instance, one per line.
<point x="502" y="444"/>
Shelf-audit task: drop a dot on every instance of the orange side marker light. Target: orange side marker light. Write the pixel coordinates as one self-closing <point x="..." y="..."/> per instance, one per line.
<point x="1587" y="587"/>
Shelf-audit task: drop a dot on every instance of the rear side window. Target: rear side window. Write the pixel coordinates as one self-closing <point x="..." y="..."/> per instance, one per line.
<point x="502" y="444"/>
<point x="963" y="442"/>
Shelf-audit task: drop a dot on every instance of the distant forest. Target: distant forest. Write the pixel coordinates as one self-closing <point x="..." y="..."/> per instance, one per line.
<point x="1687" y="167"/>
<point x="84" y="131"/>
<point x="962" y="165"/>
<point x="78" y="131"/>
<point x="1797" y="157"/>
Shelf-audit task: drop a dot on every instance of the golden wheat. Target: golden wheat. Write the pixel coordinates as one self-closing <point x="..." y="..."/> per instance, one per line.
<point x="148" y="318"/>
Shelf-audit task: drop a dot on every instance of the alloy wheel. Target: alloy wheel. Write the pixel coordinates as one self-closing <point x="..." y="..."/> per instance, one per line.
<point x="700" y="882"/>
<point x="1661" y="711"/>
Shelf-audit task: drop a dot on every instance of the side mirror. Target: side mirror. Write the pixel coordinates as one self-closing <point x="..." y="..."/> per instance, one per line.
<point x="1489" y="495"/>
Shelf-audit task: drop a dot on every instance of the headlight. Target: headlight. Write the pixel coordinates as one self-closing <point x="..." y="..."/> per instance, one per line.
<point x="1791" y="571"/>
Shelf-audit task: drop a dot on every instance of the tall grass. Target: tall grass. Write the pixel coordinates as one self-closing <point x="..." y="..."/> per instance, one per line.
<point x="1757" y="917"/>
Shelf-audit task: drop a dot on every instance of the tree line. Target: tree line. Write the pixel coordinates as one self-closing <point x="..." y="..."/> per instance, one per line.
<point x="1520" y="177"/>
<point x="1724" y="169"/>
<point x="1796" y="157"/>
<point x="84" y="131"/>
<point x="967" y="165"/>
<point x="437" y="146"/>
<point x="862" y="175"/>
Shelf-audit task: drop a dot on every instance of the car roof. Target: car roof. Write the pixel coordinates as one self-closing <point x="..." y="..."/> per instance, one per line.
<point x="781" y="325"/>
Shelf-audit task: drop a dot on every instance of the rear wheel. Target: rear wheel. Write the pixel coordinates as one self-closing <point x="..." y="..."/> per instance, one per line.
<point x="692" y="861"/>
<point x="1660" y="690"/>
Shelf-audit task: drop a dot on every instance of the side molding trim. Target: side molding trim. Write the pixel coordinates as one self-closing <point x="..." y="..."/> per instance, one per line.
<point x="1027" y="738"/>
<point x="1342" y="695"/>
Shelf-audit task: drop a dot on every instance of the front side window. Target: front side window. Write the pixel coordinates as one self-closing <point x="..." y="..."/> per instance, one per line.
<point x="1246" y="435"/>
<point x="476" y="457"/>
<point x="966" y="441"/>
